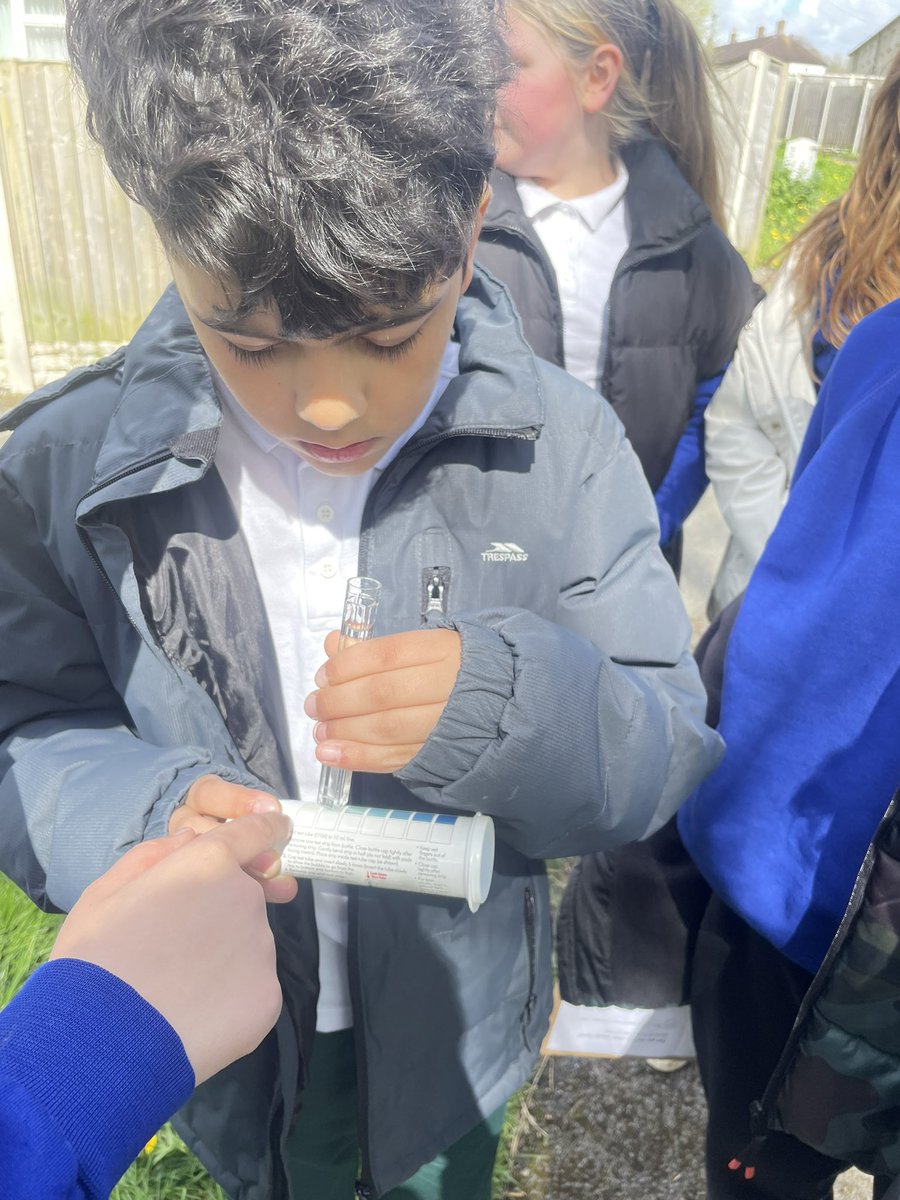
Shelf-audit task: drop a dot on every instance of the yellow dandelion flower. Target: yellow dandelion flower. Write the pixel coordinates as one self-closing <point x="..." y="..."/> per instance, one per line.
<point x="151" y="1145"/>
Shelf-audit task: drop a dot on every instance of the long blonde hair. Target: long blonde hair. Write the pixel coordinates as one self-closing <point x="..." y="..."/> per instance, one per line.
<point x="846" y="262"/>
<point x="662" y="89"/>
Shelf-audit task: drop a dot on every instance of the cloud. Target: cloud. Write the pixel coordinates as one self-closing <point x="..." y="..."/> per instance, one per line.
<point x="833" y="27"/>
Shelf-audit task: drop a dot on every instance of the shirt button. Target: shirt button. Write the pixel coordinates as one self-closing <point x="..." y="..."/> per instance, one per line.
<point x="329" y="568"/>
<point x="325" y="513"/>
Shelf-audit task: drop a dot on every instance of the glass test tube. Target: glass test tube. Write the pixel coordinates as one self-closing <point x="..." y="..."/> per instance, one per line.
<point x="357" y="623"/>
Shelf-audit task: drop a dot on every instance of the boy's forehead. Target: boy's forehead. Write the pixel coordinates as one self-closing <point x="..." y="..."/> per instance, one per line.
<point x="222" y="308"/>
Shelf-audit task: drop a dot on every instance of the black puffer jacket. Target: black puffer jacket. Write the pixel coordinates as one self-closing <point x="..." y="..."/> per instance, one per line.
<point x="678" y="301"/>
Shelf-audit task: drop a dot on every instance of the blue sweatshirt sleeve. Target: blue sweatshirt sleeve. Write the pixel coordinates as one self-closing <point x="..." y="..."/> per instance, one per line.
<point x="88" y="1072"/>
<point x="685" y="481"/>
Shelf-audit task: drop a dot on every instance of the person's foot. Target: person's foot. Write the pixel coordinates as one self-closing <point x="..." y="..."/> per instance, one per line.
<point x="667" y="1065"/>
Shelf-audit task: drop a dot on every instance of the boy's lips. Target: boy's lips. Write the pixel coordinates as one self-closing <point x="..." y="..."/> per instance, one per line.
<point x="337" y="454"/>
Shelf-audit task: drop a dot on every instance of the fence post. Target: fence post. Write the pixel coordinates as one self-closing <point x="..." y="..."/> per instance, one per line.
<point x="17" y="23"/>
<point x="795" y="99"/>
<point x="758" y="62"/>
<point x="823" y="124"/>
<point x="863" y="117"/>
<point x="12" y="317"/>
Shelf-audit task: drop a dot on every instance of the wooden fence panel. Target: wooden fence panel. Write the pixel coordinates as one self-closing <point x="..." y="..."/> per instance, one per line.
<point x="830" y="109"/>
<point x="88" y="264"/>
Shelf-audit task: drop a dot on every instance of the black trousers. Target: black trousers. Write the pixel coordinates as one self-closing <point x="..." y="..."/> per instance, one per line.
<point x="744" y="998"/>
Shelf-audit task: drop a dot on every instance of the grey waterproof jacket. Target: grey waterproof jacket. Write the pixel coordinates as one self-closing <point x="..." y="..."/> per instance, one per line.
<point x="132" y="644"/>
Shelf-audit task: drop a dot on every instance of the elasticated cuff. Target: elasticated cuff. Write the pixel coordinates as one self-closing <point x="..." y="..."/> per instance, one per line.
<point x="104" y="1066"/>
<point x="473" y="717"/>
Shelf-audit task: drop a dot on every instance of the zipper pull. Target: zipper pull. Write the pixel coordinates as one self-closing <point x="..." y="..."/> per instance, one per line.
<point x="435" y="592"/>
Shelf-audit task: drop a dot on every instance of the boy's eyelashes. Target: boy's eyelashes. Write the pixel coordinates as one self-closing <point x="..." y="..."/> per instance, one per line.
<point x="395" y="351"/>
<point x="266" y="353"/>
<point x="254" y="357"/>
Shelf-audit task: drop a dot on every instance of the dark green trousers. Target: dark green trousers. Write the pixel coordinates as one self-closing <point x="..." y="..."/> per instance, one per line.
<point x="323" y="1149"/>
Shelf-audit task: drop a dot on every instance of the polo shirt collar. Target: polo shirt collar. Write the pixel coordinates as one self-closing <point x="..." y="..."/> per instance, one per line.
<point x="592" y="209"/>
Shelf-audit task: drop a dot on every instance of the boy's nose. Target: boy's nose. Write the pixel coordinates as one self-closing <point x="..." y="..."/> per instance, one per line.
<point x="330" y="413"/>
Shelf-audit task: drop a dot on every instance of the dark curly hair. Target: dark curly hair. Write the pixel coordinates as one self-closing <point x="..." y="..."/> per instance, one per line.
<point x="327" y="155"/>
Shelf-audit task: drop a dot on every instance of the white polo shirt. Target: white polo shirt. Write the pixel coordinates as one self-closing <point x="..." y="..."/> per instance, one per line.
<point x="302" y="530"/>
<point x="585" y="239"/>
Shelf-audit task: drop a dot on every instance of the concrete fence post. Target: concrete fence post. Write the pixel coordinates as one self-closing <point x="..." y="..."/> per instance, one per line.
<point x="12" y="316"/>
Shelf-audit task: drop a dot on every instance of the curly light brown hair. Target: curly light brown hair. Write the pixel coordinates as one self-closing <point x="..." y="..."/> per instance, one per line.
<point x="846" y="262"/>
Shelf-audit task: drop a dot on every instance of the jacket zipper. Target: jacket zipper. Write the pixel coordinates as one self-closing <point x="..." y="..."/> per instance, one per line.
<point x="531" y="945"/>
<point x="761" y="1110"/>
<point x="435" y="592"/>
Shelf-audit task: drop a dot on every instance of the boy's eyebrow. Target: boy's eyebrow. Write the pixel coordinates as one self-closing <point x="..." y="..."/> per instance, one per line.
<point x="224" y="322"/>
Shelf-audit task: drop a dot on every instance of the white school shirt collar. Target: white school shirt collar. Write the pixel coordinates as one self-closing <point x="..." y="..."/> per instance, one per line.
<point x="268" y="442"/>
<point x="593" y="209"/>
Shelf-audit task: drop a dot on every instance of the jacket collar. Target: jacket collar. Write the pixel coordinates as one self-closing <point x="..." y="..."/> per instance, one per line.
<point x="169" y="409"/>
<point x="663" y="209"/>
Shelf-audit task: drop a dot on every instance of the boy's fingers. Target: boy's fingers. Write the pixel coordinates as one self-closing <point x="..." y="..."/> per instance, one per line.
<point x="332" y="643"/>
<point x="390" y="691"/>
<point x="398" y="726"/>
<point x="280" y="890"/>
<point x="185" y="818"/>
<point x="213" y="797"/>
<point x="354" y="756"/>
<point x="420" y="647"/>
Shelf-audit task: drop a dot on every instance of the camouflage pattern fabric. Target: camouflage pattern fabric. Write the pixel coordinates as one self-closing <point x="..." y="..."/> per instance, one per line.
<point x="837" y="1087"/>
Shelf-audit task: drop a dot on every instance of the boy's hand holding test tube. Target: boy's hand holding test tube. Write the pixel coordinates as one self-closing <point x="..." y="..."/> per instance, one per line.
<point x="379" y="700"/>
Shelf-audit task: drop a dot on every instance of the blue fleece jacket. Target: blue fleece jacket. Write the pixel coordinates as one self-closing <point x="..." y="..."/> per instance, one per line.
<point x="811" y="699"/>
<point x="88" y="1072"/>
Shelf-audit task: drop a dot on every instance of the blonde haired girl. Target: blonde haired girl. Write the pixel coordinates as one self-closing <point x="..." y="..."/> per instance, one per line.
<point x="604" y="223"/>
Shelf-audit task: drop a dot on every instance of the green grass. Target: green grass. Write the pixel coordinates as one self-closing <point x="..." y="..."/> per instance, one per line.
<point x="26" y="935"/>
<point x="792" y="202"/>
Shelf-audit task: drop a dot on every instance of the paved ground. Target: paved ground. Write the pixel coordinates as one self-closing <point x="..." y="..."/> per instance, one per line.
<point x="597" y="1129"/>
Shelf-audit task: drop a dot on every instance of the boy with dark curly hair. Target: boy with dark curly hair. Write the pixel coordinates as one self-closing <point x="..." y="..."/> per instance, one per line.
<point x="331" y="388"/>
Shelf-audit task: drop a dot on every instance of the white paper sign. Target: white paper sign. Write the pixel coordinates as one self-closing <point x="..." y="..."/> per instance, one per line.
<point x="613" y="1032"/>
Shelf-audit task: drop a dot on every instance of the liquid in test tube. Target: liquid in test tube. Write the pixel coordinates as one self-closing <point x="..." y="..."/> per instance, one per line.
<point x="357" y="623"/>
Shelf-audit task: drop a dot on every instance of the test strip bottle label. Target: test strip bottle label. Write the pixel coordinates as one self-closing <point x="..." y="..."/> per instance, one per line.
<point x="432" y="853"/>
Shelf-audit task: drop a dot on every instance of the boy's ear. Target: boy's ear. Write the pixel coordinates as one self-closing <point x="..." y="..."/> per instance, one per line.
<point x="473" y="240"/>
<point x="600" y="78"/>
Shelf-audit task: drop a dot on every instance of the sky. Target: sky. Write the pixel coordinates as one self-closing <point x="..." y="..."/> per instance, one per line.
<point x="833" y="27"/>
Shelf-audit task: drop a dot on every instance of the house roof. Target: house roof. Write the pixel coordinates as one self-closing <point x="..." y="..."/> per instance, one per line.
<point x="779" y="46"/>
<point x="875" y="35"/>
